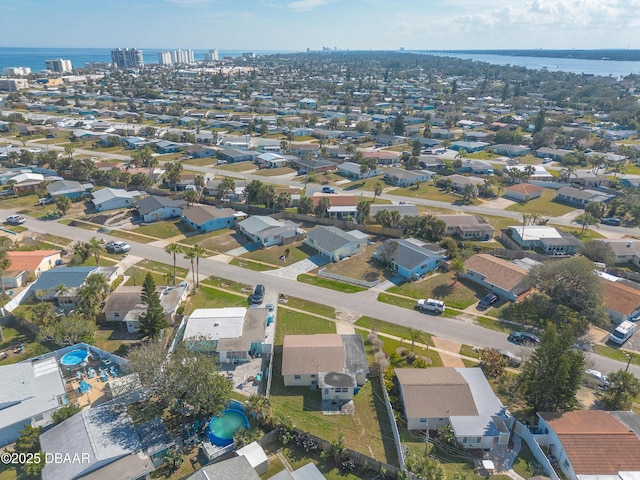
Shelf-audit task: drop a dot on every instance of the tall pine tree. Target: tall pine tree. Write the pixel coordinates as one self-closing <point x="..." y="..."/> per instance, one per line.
<point x="153" y="321"/>
<point x="552" y="377"/>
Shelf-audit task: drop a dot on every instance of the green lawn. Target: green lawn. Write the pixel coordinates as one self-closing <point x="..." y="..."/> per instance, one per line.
<point x="460" y="294"/>
<point x="136" y="277"/>
<point x="296" y="323"/>
<point x="251" y="265"/>
<point x="9" y="472"/>
<point x="545" y="205"/>
<point x="320" y="309"/>
<point x="163" y="268"/>
<point x="110" y="339"/>
<point x="274" y="172"/>
<point x="529" y="160"/>
<point x="207" y="297"/>
<point x="525" y="462"/>
<point x="161" y="229"/>
<point x="79" y="224"/>
<point x="397" y="301"/>
<point x="616" y="354"/>
<point x="577" y="232"/>
<point x="390" y="328"/>
<point x="201" y="162"/>
<point x="367" y="184"/>
<point x="196" y="239"/>
<point x="238" y="167"/>
<point x="483" y="155"/>
<point x="13" y="335"/>
<point x="297" y="251"/>
<point x="427" y="191"/>
<point x="331" y="284"/>
<point x="228" y="285"/>
<point x="132" y="237"/>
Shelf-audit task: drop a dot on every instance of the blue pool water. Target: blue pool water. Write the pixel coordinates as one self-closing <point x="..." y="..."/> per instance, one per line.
<point x="222" y="428"/>
<point x="74" y="357"/>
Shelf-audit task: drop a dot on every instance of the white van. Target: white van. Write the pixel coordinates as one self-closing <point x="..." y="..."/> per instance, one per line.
<point x="430" y="305"/>
<point x="623" y="332"/>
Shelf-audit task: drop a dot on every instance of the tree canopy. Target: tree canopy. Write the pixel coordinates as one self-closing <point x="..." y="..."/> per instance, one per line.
<point x="153" y="321"/>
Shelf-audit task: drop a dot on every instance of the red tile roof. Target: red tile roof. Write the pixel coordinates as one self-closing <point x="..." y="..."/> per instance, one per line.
<point x="29" y="261"/>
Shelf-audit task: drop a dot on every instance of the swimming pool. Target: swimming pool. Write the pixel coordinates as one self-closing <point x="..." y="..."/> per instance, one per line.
<point x="74" y="357"/>
<point x="222" y="428"/>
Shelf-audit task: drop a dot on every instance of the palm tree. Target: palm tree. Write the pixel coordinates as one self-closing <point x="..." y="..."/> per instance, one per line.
<point x="525" y="220"/>
<point x="586" y="219"/>
<point x="414" y="336"/>
<point x="458" y="267"/>
<point x="96" y="248"/>
<point x="377" y="190"/>
<point x="200" y="252"/>
<point x="260" y="407"/>
<point x="364" y="211"/>
<point x="191" y="256"/>
<point x="173" y="249"/>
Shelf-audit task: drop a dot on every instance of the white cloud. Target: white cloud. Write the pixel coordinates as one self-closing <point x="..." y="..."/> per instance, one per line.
<point x="306" y="5"/>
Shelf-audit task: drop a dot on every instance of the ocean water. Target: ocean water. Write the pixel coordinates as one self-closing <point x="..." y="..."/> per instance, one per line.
<point x="606" y="68"/>
<point x="34" y="58"/>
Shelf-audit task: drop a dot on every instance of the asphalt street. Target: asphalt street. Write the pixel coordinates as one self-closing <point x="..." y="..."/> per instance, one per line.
<point x="363" y="303"/>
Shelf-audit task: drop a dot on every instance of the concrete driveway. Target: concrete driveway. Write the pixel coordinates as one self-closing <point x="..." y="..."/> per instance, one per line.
<point x="303" y="266"/>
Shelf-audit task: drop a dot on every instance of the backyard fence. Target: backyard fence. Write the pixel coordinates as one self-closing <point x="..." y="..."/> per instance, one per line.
<point x="345" y="225"/>
<point x="523" y="432"/>
<point x="394" y="425"/>
<point x="340" y="278"/>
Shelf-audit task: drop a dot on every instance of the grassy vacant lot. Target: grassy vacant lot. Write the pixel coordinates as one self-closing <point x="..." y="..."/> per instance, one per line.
<point x="200" y="239"/>
<point x="238" y="167"/>
<point x="297" y="251"/>
<point x="428" y="191"/>
<point x="365" y="184"/>
<point x="296" y="323"/>
<point x="460" y="294"/>
<point x="545" y="205"/>
<point x="221" y="241"/>
<point x="251" y="265"/>
<point x="320" y="309"/>
<point x="331" y="284"/>
<point x="361" y="266"/>
<point x="530" y="160"/>
<point x="201" y="162"/>
<point x="482" y="155"/>
<point x="274" y="172"/>
<point x="303" y="406"/>
<point x="161" y="229"/>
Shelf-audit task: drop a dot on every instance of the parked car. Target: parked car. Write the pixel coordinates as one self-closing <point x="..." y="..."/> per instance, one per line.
<point x="221" y="162"/>
<point x="524" y="338"/>
<point x="328" y="190"/>
<point x="611" y="221"/>
<point x="598" y="376"/>
<point x="511" y="359"/>
<point x="16" y="219"/>
<point x="430" y="305"/>
<point x="302" y="171"/>
<point x="488" y="300"/>
<point x="117" y="247"/>
<point x="257" y="296"/>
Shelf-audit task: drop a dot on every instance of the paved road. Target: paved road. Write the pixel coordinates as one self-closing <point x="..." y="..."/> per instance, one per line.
<point x="363" y="303"/>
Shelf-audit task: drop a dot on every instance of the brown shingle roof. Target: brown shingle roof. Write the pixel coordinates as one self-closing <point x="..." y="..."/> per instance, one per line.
<point x="497" y="272"/>
<point x="621" y="298"/>
<point x="435" y="393"/>
<point x="309" y="354"/>
<point x="595" y="442"/>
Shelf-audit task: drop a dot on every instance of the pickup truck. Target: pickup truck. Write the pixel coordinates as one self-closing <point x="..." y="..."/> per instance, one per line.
<point x="117" y="247"/>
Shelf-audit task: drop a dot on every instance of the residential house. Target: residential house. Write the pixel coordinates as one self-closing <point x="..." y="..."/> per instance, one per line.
<point x="108" y="445"/>
<point x="384" y="157"/>
<point x="467" y="226"/>
<point x="233" y="155"/>
<point x="336" y="364"/>
<point x="580" y="198"/>
<point x="30" y="392"/>
<point x="442" y="133"/>
<point x="410" y="257"/>
<point x="113" y="198"/>
<point x="201" y="151"/>
<point x="549" y="239"/>
<point x="155" y="208"/>
<point x="589" y="179"/>
<point x="295" y="192"/>
<point x="469" y="147"/>
<point x="353" y="170"/>
<point x="459" y="181"/>
<point x="592" y="443"/>
<point x="68" y="188"/>
<point x="306" y="472"/>
<point x="256" y="456"/>
<point x="621" y="298"/>
<point x="477" y="136"/>
<point x="47" y="286"/>
<point x="318" y="165"/>
<point x="532" y="172"/>
<point x="511" y="150"/>
<point x="28" y="265"/>
<point x="626" y="251"/>
<point x="334" y="243"/>
<point x="556" y="154"/>
<point x="27" y="182"/>
<point x="523" y="192"/>
<point x="389" y="140"/>
<point x="268" y="231"/>
<point x="272" y="160"/>
<point x="499" y="276"/>
<point x="459" y="397"/>
<point x="430" y="162"/>
<point x="341" y="204"/>
<point x="234" y="333"/>
<point x="630" y="182"/>
<point x="234" y="468"/>
<point x="207" y="218"/>
<point x="165" y="146"/>
<point x="405" y="178"/>
<point x="404" y="210"/>
<point x="477" y="167"/>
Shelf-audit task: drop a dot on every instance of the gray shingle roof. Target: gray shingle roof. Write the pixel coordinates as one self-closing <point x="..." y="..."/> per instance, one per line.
<point x="410" y="255"/>
<point x="330" y="238"/>
<point x="155" y="202"/>
<point x="236" y="468"/>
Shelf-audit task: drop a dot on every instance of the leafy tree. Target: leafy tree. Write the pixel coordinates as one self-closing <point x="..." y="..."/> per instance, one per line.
<point x="305" y="205"/>
<point x="551" y="378"/>
<point x="174" y="458"/>
<point x="244" y="436"/>
<point x="226" y="186"/>
<point x="377" y="190"/>
<point x="623" y="387"/>
<point x="43" y="314"/>
<point x="283" y="200"/>
<point x="539" y="122"/>
<point x="173" y="249"/>
<point x="65" y="412"/>
<point x="29" y="442"/>
<point x="598" y="251"/>
<point x="253" y="191"/>
<point x="469" y="192"/>
<point x="324" y="203"/>
<point x="92" y="294"/>
<point x="70" y="329"/>
<point x="141" y="180"/>
<point x="153" y="321"/>
<point x="415" y="336"/>
<point x="398" y="125"/>
<point x="492" y="362"/>
<point x="63" y="204"/>
<point x="451" y="246"/>
<point x="191" y="196"/>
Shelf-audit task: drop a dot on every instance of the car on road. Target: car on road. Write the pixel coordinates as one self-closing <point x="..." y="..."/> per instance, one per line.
<point x="328" y="190"/>
<point x="611" y="221"/>
<point x="117" y="246"/>
<point x="221" y="162"/>
<point x="511" y="359"/>
<point x="598" y="376"/>
<point x="16" y="219"/>
<point x="257" y="296"/>
<point x="547" y="160"/>
<point x="524" y="338"/>
<point x="488" y="300"/>
<point x="430" y="305"/>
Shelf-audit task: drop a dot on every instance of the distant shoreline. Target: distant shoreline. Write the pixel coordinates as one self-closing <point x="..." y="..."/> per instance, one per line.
<point x="621" y="55"/>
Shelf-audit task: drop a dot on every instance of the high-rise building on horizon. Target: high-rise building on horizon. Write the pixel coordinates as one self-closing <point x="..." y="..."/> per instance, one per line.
<point x="58" y="65"/>
<point x="182" y="56"/>
<point x="211" y="55"/>
<point x="128" y="58"/>
<point x="16" y="71"/>
<point x="164" y="58"/>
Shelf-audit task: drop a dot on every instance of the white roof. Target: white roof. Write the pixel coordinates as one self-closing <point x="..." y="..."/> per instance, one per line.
<point x="215" y="323"/>
<point x="536" y="232"/>
<point x="106" y="194"/>
<point x="254" y="453"/>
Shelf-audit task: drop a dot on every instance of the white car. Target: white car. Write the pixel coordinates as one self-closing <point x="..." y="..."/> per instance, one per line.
<point x="16" y="219"/>
<point x="117" y="247"/>
<point x="430" y="305"/>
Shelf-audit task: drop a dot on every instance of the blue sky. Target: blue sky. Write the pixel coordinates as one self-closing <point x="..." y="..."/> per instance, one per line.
<point x="298" y="24"/>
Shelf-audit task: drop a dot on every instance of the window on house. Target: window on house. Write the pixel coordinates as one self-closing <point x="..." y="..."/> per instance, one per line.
<point x="313" y="375"/>
<point x="38" y="418"/>
<point x="326" y="391"/>
<point x="423" y="420"/>
<point x="116" y="314"/>
<point x="296" y="377"/>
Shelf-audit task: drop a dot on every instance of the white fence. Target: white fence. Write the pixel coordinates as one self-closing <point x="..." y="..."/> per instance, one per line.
<point x="540" y="456"/>
<point x="15" y="301"/>
<point x="394" y="425"/>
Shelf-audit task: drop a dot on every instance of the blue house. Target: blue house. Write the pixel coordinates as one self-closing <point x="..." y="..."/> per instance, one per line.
<point x="68" y="188"/>
<point x="476" y="166"/>
<point x="410" y="258"/>
<point x="469" y="147"/>
<point x="206" y="218"/>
